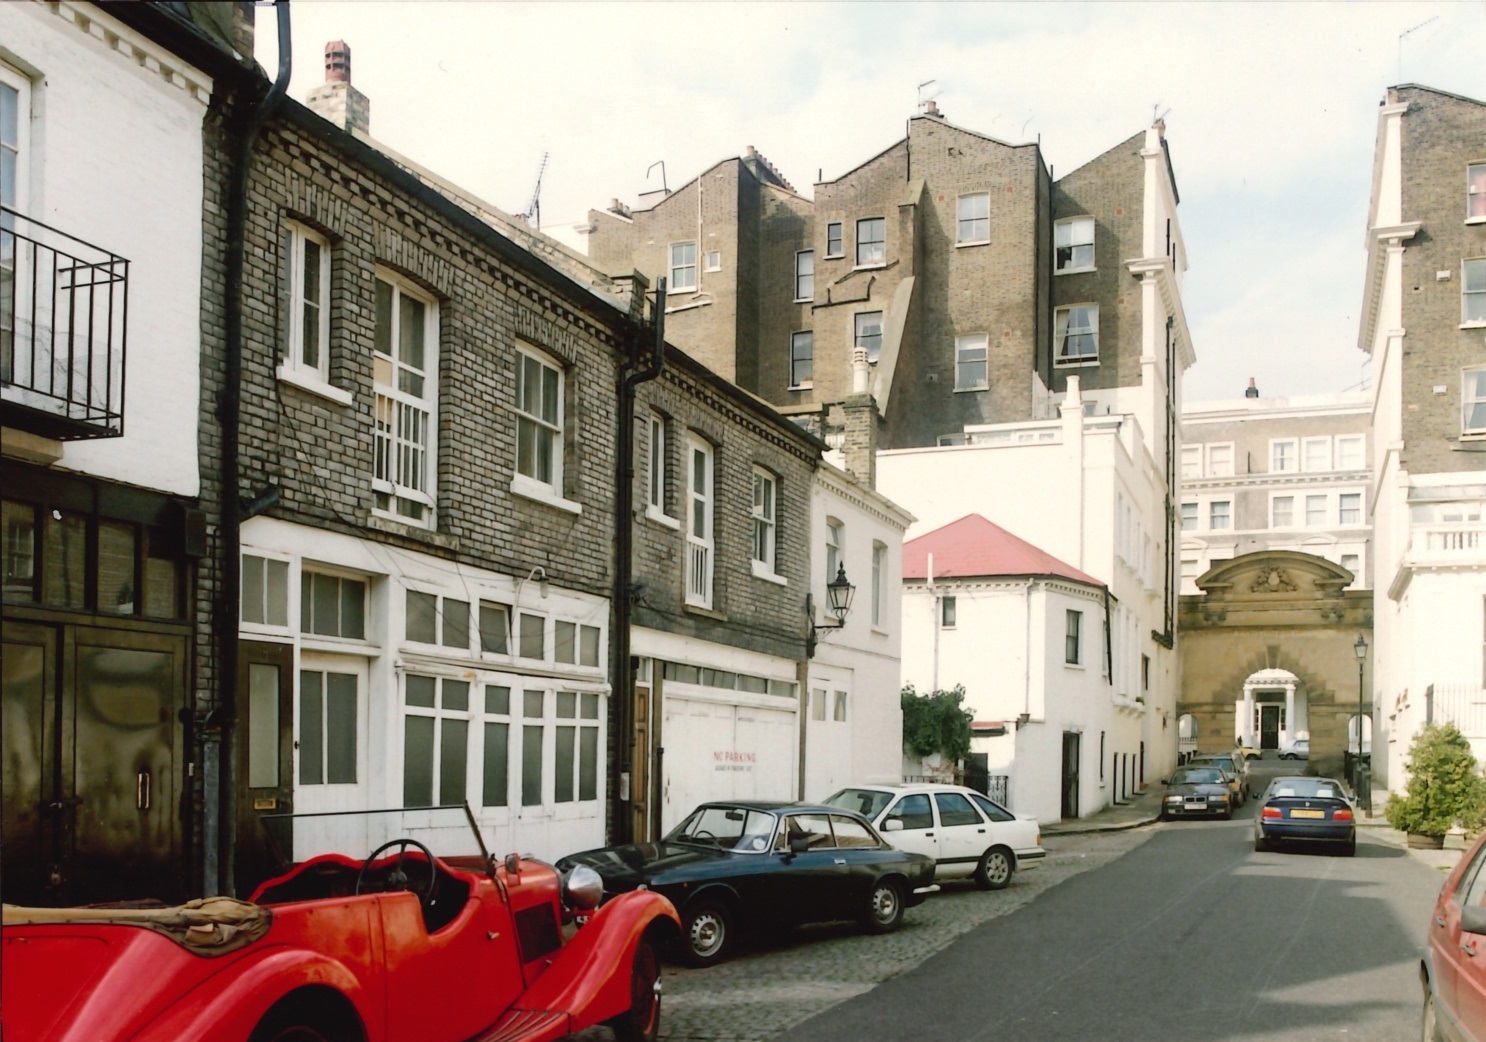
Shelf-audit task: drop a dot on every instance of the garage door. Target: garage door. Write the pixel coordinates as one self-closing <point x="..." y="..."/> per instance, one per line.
<point x="719" y="750"/>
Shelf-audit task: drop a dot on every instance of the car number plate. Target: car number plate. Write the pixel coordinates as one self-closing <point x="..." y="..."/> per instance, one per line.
<point x="1197" y="804"/>
<point x="1307" y="813"/>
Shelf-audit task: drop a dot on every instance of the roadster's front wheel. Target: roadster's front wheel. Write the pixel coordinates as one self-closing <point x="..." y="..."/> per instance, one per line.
<point x="641" y="1022"/>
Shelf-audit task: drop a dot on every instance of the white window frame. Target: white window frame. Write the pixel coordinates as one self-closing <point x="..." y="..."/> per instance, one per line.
<point x="1074" y="234"/>
<point x="876" y="249"/>
<point x="713" y="261"/>
<point x="804" y="275"/>
<point x="1275" y="520"/>
<point x="1473" y="292"/>
<point x="301" y="238"/>
<point x="544" y="802"/>
<point x="1317" y="450"/>
<point x="835" y="547"/>
<point x="1475" y="193"/>
<point x="1220" y="460"/>
<point x="1061" y="335"/>
<point x="1073" y="642"/>
<point x="17" y="196"/>
<point x="1473" y="399"/>
<point x="765" y="518"/>
<point x="683" y="271"/>
<point x="535" y="425"/>
<point x="1310" y="507"/>
<point x="1357" y="571"/>
<point x="656" y="487"/>
<point x="1275" y="445"/>
<point x="879" y="582"/>
<point x="1344" y="449"/>
<point x="861" y="326"/>
<point x="1191" y="461"/>
<point x="973" y="229"/>
<point x="1212" y="515"/>
<point x="1341" y="508"/>
<point x="325" y="794"/>
<point x="795" y="341"/>
<point x="966" y="347"/>
<point x="1195" y="516"/>
<point x="438" y="713"/>
<point x="394" y="407"/>
<point x="700" y="520"/>
<point x="265" y="606"/>
<point x="834" y="228"/>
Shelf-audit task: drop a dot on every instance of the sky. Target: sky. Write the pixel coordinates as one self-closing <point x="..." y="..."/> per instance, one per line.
<point x="1270" y="110"/>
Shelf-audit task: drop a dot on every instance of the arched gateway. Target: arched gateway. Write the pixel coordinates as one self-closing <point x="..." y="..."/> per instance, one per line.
<point x="1267" y="655"/>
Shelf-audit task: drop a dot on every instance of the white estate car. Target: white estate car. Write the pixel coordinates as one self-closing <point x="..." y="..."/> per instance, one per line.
<point x="963" y="831"/>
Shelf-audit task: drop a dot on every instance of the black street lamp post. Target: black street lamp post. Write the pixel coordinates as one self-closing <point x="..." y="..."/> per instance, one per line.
<point x="1357" y="771"/>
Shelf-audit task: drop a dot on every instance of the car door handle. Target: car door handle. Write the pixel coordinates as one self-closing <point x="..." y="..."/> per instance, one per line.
<point x="928" y="835"/>
<point x="981" y="831"/>
<point x="1469" y="947"/>
<point x="840" y="861"/>
<point x="1439" y="920"/>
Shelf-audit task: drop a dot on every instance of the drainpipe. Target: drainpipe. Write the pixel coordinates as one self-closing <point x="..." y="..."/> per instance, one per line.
<point x="224" y="716"/>
<point x="624" y="507"/>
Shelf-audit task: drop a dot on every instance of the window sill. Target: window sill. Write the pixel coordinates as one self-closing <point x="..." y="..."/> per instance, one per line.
<point x="804" y="300"/>
<point x="313" y="384"/>
<point x="834" y="256"/>
<point x="1476" y="220"/>
<point x="526" y="488"/>
<point x="1471" y="325"/>
<point x="697" y="609"/>
<point x="1083" y="363"/>
<point x="764" y="572"/>
<point x="651" y="514"/>
<point x="977" y="242"/>
<point x="326" y="644"/>
<point x="689" y="305"/>
<point x="801" y="387"/>
<point x="1073" y="271"/>
<point x="972" y="390"/>
<point x="380" y="522"/>
<point x="874" y="266"/>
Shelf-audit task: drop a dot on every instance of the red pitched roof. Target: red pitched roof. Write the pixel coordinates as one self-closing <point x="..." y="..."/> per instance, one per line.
<point x="973" y="547"/>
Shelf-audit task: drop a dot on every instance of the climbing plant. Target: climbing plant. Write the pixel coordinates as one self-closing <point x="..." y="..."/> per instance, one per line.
<point x="936" y="723"/>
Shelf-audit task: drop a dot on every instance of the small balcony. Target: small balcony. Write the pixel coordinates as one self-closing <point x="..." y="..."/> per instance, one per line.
<point x="64" y="307"/>
<point x="1448" y="544"/>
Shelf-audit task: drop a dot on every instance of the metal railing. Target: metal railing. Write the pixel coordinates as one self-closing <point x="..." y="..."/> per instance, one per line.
<point x="64" y="307"/>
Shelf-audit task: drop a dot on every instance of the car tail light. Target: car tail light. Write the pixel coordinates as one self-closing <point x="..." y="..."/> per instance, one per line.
<point x="1271" y="812"/>
<point x="1341" y="815"/>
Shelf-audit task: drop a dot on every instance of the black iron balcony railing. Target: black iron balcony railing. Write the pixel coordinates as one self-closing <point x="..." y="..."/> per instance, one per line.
<point x="64" y="307"/>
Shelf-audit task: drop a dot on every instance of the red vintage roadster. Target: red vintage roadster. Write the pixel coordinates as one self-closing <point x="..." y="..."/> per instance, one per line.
<point x="400" y="946"/>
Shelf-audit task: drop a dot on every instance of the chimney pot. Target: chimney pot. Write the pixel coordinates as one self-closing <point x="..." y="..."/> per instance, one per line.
<point x="1252" y="392"/>
<point x="337" y="62"/>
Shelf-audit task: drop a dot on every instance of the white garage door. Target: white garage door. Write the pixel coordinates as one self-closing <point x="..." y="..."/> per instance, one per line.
<point x="719" y="750"/>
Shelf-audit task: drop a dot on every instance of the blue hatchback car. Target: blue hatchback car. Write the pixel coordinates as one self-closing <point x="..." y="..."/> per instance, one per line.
<point x="1306" y="810"/>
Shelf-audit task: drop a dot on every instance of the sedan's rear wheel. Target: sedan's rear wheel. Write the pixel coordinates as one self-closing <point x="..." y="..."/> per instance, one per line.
<point x="884" y="910"/>
<point x="706" y="933"/>
<point x="995" y="869"/>
<point x="1349" y="848"/>
<point x="641" y="1022"/>
<point x="1261" y="844"/>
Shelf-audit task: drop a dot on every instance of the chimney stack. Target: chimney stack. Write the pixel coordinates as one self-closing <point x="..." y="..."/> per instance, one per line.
<point x="860" y="444"/>
<point x="1252" y="392"/>
<point x="931" y="108"/>
<point x="335" y="99"/>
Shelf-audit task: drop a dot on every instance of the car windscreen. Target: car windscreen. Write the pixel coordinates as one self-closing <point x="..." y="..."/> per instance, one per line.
<point x="730" y="828"/>
<point x="1198" y="776"/>
<point x="1225" y="766"/>
<point x="866" y="802"/>
<point x="1307" y="788"/>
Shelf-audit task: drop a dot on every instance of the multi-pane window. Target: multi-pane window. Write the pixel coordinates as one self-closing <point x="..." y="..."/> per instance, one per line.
<point x="1315" y="511"/>
<point x="15" y="122"/>
<point x="1282" y="512"/>
<point x="1473" y="401"/>
<point x="327" y="727"/>
<point x="1220" y="460"/>
<point x="1349" y="452"/>
<point x="764" y="489"/>
<point x="1072" y="641"/>
<point x="575" y="643"/>
<point x="438" y="620"/>
<point x="405" y="372"/>
<point x="867" y="333"/>
<point x="538" y="420"/>
<point x="332" y="606"/>
<point x="973" y="218"/>
<point x="683" y="266"/>
<point x="657" y="504"/>
<point x="802" y="358"/>
<point x="495" y="746"/>
<point x="495" y="629"/>
<point x="833" y="239"/>
<point x="970" y="362"/>
<point x="1282" y="456"/>
<point x="1076" y="334"/>
<point x="699" y="518"/>
<point x="805" y="275"/>
<point x="531" y="636"/>
<point x="835" y="547"/>
<point x="309" y="299"/>
<point x="265" y="591"/>
<point x="1475" y="192"/>
<point x="1349" y="508"/>
<point x="436" y="740"/>
<point x="1073" y="244"/>
<point x="1316" y="454"/>
<point x="567" y="723"/>
<point x="871" y="241"/>
<point x="1191" y="461"/>
<point x="1473" y="291"/>
<point x="1219" y="514"/>
<point x="879" y="583"/>
<point x="947" y="611"/>
<point x="1352" y="563"/>
<point x="1189" y="517"/>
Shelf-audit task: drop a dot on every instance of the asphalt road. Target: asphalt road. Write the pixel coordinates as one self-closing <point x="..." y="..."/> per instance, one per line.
<point x="1191" y="936"/>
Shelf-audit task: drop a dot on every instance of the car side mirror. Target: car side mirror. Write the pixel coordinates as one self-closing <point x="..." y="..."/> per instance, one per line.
<point x="799" y="845"/>
<point x="893" y="825"/>
<point x="1165" y="782"/>
<point x="1473" y="919"/>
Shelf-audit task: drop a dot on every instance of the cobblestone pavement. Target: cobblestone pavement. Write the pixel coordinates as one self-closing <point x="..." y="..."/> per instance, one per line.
<point x="758" y="994"/>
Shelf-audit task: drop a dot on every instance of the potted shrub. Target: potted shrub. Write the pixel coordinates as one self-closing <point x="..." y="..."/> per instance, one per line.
<point x="1445" y="789"/>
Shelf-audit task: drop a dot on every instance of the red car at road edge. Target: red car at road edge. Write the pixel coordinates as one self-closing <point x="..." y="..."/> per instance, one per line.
<point x="401" y="945"/>
<point x="1453" y="970"/>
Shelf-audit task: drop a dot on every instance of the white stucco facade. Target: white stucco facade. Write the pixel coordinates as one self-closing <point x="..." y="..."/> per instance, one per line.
<point x="111" y="154"/>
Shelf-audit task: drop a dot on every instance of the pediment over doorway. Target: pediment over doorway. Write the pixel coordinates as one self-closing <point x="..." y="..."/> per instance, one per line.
<point x="1286" y="587"/>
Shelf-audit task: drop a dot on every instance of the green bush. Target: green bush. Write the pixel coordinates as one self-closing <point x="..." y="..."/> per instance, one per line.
<point x="1445" y="788"/>
<point x="935" y="723"/>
